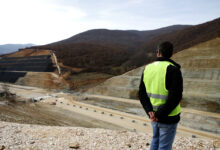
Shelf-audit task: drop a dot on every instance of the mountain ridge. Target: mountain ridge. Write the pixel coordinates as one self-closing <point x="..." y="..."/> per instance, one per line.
<point x="91" y="47"/>
<point x="100" y="50"/>
<point x="131" y="39"/>
<point x="181" y="39"/>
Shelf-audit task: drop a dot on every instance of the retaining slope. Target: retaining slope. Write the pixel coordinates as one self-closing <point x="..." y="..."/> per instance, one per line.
<point x="201" y="75"/>
<point x="41" y="63"/>
<point x="201" y="78"/>
<point x="31" y="68"/>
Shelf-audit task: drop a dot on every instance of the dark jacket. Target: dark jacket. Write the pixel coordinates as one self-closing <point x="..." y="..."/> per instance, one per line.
<point x="174" y="84"/>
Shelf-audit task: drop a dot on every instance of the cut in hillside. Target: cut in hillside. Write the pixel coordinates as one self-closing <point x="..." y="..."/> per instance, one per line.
<point x="27" y="66"/>
<point x="201" y="73"/>
<point x="31" y="68"/>
<point x="201" y="76"/>
<point x="28" y="52"/>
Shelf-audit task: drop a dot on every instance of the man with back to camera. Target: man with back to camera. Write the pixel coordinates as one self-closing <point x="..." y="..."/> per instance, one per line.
<point x="160" y="92"/>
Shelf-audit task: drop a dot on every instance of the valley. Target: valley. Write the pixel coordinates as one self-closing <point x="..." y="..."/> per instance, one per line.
<point x="91" y="80"/>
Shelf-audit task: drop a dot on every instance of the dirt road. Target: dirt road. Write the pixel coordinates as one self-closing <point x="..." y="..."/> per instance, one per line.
<point x="64" y="108"/>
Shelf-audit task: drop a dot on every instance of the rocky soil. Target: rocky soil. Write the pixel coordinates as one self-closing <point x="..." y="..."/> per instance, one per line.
<point x="33" y="137"/>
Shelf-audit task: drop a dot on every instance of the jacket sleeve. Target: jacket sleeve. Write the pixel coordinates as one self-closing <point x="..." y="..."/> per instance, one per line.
<point x="174" y="84"/>
<point x="144" y="99"/>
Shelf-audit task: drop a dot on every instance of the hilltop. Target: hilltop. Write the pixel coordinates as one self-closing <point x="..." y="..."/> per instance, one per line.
<point x="182" y="39"/>
<point x="115" y="52"/>
<point x="130" y="40"/>
<point x="103" y="50"/>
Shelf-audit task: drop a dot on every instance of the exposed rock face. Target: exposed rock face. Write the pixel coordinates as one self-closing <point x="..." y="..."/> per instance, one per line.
<point x="201" y="74"/>
<point x="124" y="86"/>
<point x="31" y="68"/>
<point x="42" y="79"/>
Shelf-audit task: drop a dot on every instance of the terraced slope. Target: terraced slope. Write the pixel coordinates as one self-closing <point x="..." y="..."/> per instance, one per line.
<point x="201" y="73"/>
<point x="42" y="63"/>
<point x="31" y="68"/>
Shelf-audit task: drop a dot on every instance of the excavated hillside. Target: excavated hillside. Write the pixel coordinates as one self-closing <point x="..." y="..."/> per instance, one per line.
<point x="201" y="73"/>
<point x="31" y="67"/>
<point x="34" y="67"/>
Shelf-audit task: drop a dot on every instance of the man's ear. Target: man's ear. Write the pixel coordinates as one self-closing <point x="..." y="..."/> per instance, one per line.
<point x="158" y="53"/>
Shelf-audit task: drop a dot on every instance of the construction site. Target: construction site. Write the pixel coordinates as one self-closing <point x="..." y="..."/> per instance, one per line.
<point x="34" y="91"/>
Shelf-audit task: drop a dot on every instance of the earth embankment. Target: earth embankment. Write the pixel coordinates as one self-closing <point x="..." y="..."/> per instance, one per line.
<point x="201" y="76"/>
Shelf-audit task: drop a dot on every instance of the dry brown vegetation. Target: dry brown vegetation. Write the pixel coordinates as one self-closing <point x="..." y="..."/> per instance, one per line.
<point x="107" y="51"/>
<point x="104" y="50"/>
<point x="181" y="39"/>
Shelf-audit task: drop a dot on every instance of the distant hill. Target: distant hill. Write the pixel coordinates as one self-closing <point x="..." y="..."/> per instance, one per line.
<point x="9" y="48"/>
<point x="181" y="39"/>
<point x="128" y="39"/>
<point x="116" y="51"/>
<point x="104" y="50"/>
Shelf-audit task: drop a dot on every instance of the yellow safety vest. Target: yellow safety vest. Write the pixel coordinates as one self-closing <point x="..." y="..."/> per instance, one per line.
<point x="155" y="83"/>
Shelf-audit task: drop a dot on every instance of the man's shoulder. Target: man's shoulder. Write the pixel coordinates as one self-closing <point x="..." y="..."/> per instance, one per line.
<point x="149" y="65"/>
<point x="172" y="69"/>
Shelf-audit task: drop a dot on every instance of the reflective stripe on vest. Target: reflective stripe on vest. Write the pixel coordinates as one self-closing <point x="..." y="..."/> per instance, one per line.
<point x="157" y="96"/>
<point x="155" y="83"/>
<point x="155" y="107"/>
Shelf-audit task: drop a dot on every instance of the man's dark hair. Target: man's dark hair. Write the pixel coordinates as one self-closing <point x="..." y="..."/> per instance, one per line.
<point x="166" y="49"/>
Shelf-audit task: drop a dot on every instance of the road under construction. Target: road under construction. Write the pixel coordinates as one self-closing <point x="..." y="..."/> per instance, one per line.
<point x="68" y="101"/>
<point x="40" y="69"/>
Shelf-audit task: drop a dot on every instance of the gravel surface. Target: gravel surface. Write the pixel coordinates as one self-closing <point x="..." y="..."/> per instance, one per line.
<point x="33" y="137"/>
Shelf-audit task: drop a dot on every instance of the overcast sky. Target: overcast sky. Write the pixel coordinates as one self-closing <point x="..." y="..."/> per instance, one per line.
<point x="46" y="21"/>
